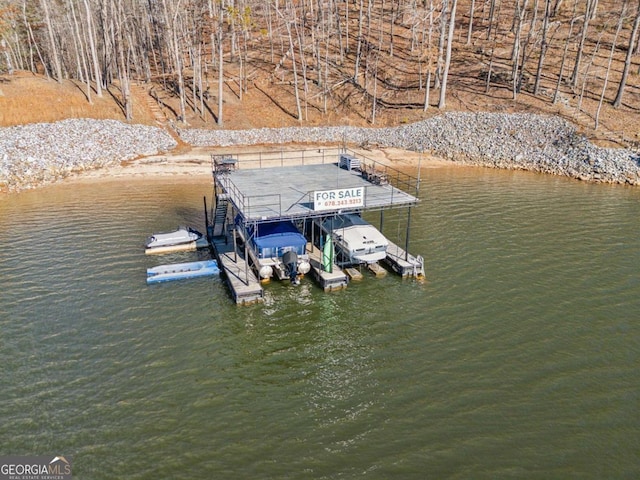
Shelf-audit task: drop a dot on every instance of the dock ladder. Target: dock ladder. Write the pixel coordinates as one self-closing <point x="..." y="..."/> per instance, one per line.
<point x="220" y="215"/>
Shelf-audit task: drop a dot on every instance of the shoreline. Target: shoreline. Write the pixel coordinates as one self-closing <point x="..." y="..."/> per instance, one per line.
<point x="195" y="163"/>
<point x="39" y="154"/>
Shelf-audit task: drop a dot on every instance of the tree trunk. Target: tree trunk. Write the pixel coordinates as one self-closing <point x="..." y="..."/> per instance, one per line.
<point x="220" y="72"/>
<point x="613" y="49"/>
<point x="80" y="53"/>
<point x="543" y="46"/>
<point x="97" y="78"/>
<point x="583" y="35"/>
<point x="287" y="23"/>
<point x="470" y="31"/>
<point x="54" y="56"/>
<point x="515" y="52"/>
<point x="564" y="53"/>
<point x="447" y="61"/>
<point x="5" y="49"/>
<point x="441" y="43"/>
<point x="627" y="61"/>
<point x="493" y="48"/>
<point x="588" y="69"/>
<point x="429" y="57"/>
<point x="356" y="69"/>
<point x="374" y="102"/>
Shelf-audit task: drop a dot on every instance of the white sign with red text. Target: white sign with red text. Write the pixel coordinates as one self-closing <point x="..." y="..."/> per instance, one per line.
<point x="336" y="199"/>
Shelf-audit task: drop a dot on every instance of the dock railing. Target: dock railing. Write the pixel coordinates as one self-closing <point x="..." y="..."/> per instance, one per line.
<point x="376" y="172"/>
<point x="275" y="158"/>
<point x="381" y="174"/>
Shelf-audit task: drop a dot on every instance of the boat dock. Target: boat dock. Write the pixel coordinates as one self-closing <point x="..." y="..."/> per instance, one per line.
<point x="300" y="187"/>
<point x="329" y="281"/>
<point x="237" y="273"/>
<point x="403" y="263"/>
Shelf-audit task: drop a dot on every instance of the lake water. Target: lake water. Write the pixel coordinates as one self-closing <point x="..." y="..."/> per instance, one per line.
<point x="517" y="357"/>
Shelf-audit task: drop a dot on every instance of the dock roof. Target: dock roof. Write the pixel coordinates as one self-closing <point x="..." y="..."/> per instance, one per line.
<point x="269" y="194"/>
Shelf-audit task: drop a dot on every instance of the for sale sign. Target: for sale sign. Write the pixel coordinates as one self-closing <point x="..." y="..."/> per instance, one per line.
<point x="337" y="199"/>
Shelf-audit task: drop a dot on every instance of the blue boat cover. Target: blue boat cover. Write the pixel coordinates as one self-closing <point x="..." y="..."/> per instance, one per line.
<point x="275" y="238"/>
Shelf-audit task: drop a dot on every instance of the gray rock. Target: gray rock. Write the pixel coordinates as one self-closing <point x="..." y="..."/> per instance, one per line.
<point x="35" y="154"/>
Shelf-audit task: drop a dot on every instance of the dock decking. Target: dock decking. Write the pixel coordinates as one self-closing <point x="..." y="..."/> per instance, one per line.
<point x="336" y="279"/>
<point x="286" y="192"/>
<point x="402" y="263"/>
<point x="240" y="277"/>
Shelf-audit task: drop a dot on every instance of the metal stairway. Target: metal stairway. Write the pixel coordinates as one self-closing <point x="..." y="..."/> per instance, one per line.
<point x="220" y="216"/>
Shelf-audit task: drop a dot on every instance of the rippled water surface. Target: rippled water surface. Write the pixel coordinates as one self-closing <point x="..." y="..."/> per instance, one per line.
<point x="517" y="358"/>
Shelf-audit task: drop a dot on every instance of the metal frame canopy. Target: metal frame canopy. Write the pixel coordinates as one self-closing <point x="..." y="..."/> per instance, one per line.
<point x="312" y="190"/>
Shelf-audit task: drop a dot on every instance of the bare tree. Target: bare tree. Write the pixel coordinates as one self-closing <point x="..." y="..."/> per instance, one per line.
<point x="613" y="49"/>
<point x="53" y="47"/>
<point x="287" y="22"/>
<point x="518" y="19"/>
<point x="588" y="14"/>
<point x="441" y="43"/>
<point x="122" y="49"/>
<point x="447" y="61"/>
<point x="220" y="66"/>
<point x="543" y="45"/>
<point x="564" y="53"/>
<point x="359" y="47"/>
<point x="493" y="44"/>
<point x="627" y="61"/>
<point x="471" y="12"/>
<point x="429" y="56"/>
<point x="97" y="78"/>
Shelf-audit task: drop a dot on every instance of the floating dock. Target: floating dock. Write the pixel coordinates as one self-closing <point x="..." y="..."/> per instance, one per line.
<point x="403" y="263"/>
<point x="238" y="274"/>
<point x="354" y="274"/>
<point x="182" y="271"/>
<point x="300" y="187"/>
<point x="377" y="269"/>
<point x="329" y="281"/>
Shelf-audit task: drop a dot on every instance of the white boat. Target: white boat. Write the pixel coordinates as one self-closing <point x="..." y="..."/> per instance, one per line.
<point x="356" y="241"/>
<point x="180" y="271"/>
<point x="178" y="237"/>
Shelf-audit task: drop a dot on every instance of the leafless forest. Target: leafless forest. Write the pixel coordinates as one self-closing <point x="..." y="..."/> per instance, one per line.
<point x="312" y="57"/>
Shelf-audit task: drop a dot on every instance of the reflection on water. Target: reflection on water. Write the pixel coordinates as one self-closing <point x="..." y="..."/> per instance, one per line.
<point x="516" y="358"/>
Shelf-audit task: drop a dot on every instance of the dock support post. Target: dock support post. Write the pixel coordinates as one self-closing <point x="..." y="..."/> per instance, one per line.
<point x="406" y="242"/>
<point x="381" y="220"/>
<point x="246" y="262"/>
<point x="235" y="246"/>
<point x="206" y="216"/>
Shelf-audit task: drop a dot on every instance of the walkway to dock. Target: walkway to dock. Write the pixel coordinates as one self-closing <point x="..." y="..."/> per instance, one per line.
<point x="240" y="278"/>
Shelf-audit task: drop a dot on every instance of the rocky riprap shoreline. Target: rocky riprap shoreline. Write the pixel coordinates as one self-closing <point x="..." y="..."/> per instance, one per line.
<point x="532" y="142"/>
<point x="36" y="154"/>
<point x="40" y="153"/>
